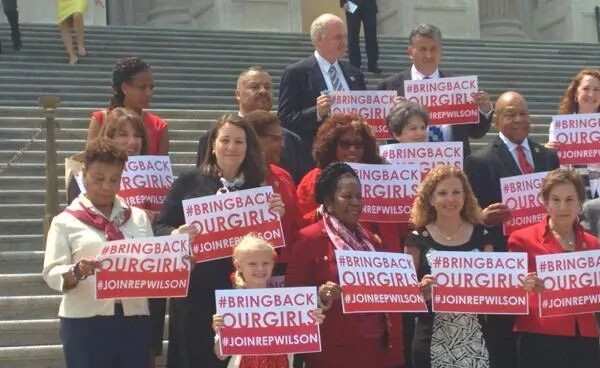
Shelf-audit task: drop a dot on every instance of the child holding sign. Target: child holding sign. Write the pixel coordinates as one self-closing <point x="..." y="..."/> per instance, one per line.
<point x="254" y="259"/>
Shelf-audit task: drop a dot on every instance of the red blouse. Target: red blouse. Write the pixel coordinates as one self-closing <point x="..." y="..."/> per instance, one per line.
<point x="537" y="240"/>
<point x="391" y="235"/>
<point x="155" y="128"/>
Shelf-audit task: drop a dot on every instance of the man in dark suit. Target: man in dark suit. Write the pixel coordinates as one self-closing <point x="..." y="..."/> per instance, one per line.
<point x="425" y="52"/>
<point x="303" y="91"/>
<point x="511" y="153"/>
<point x="365" y="13"/>
<point x="254" y="92"/>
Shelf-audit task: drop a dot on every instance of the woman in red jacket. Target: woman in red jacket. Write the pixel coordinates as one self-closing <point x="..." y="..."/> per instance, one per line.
<point x="348" y="340"/>
<point x="566" y="341"/>
<point x="345" y="138"/>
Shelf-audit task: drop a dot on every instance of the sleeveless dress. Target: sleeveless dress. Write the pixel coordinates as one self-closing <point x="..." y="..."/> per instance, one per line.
<point x="66" y="8"/>
<point x="447" y="340"/>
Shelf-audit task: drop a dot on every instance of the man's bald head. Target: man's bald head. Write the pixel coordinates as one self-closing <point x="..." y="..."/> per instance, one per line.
<point x="253" y="91"/>
<point x="512" y="116"/>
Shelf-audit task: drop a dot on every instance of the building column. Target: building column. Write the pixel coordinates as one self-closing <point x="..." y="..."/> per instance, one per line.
<point x="170" y="13"/>
<point x="500" y="19"/>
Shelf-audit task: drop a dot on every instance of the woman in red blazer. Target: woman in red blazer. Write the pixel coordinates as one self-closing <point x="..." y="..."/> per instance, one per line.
<point x="346" y="138"/>
<point x="348" y="340"/>
<point x="566" y="341"/>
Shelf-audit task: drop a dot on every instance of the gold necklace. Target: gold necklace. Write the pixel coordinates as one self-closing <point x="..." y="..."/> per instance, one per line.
<point x="451" y="236"/>
<point x="567" y="244"/>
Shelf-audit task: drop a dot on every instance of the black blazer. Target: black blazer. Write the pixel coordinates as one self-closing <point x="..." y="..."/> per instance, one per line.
<point x="301" y="84"/>
<point x="486" y="166"/>
<point x="459" y="132"/>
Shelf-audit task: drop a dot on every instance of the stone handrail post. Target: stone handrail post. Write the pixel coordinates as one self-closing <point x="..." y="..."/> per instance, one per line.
<point x="49" y="105"/>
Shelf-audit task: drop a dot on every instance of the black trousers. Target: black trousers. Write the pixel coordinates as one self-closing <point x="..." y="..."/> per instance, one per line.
<point x="546" y="351"/>
<point x="9" y="6"/>
<point x="501" y="341"/>
<point x="367" y="15"/>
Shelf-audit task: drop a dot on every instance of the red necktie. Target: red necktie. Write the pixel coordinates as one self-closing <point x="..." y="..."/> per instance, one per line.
<point x="524" y="164"/>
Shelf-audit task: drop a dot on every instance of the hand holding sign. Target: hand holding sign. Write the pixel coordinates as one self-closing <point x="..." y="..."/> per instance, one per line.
<point x="329" y="292"/>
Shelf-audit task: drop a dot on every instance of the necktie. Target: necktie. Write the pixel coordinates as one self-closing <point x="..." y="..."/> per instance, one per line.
<point x="524" y="164"/>
<point x="335" y="81"/>
<point x="435" y="132"/>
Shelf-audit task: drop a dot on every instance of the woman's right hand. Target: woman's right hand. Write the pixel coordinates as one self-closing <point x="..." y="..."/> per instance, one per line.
<point x="425" y="285"/>
<point x="552" y="146"/>
<point x="86" y="267"/>
<point x="190" y="230"/>
<point x="217" y="322"/>
<point x="328" y="293"/>
<point x="532" y="282"/>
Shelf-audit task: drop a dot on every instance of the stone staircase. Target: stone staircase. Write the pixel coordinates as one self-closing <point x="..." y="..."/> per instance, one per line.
<point x="195" y="73"/>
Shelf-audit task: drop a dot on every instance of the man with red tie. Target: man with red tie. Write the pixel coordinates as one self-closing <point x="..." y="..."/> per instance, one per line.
<point x="511" y="153"/>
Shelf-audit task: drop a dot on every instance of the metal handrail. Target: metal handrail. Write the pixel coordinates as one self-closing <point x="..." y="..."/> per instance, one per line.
<point x="49" y="105"/>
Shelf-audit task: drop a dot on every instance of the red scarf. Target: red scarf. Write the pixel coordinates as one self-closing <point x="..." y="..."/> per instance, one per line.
<point x="264" y="361"/>
<point x="344" y="239"/>
<point x="97" y="221"/>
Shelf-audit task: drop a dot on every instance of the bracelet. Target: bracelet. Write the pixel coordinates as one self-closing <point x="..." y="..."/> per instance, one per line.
<point x="77" y="272"/>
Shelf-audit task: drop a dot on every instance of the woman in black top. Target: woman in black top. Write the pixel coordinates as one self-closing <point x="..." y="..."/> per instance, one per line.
<point x="446" y="218"/>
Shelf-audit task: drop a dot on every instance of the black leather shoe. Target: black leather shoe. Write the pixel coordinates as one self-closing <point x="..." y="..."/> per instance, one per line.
<point x="375" y="69"/>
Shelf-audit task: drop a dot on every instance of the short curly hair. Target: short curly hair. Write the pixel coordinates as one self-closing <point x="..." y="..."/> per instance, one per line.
<point x="329" y="178"/>
<point x="326" y="141"/>
<point x="402" y="112"/>
<point x="568" y="104"/>
<point x="562" y="176"/>
<point x="104" y="150"/>
<point x="423" y="213"/>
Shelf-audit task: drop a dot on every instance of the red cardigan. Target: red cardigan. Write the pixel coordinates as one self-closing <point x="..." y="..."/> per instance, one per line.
<point x="314" y="263"/>
<point x="392" y="236"/>
<point x="537" y="240"/>
<point x="155" y="128"/>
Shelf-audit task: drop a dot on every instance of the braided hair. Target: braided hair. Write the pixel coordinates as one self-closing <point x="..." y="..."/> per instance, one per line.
<point x="125" y="70"/>
<point x="329" y="178"/>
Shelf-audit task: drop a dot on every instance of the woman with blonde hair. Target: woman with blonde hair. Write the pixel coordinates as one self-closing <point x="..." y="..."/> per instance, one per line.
<point x="446" y="217"/>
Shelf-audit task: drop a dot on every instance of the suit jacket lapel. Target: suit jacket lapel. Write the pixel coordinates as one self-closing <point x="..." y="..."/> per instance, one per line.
<point x="510" y="166"/>
<point x="348" y="76"/>
<point x="316" y="80"/>
<point x="539" y="162"/>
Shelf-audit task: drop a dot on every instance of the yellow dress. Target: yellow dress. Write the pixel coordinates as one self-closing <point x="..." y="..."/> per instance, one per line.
<point x="66" y="8"/>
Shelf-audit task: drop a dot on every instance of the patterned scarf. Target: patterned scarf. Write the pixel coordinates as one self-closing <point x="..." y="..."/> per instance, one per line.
<point x="264" y="361"/>
<point x="97" y="221"/>
<point x="344" y="239"/>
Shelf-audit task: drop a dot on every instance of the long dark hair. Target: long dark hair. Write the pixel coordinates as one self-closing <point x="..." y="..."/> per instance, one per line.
<point x="253" y="166"/>
<point x="124" y="71"/>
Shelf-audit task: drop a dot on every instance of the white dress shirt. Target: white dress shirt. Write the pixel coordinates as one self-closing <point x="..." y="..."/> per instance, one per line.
<point x="512" y="148"/>
<point x="70" y="240"/>
<point x="324" y="65"/>
<point x="417" y="75"/>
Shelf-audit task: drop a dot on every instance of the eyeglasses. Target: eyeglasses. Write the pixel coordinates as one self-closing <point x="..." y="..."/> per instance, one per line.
<point x="344" y="144"/>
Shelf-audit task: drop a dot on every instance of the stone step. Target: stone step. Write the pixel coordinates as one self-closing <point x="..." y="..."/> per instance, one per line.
<point x="76" y="145"/>
<point x="29" y="332"/>
<point x="38" y="169"/>
<point x="25" y="307"/>
<point x="44" y="356"/>
<point x="78" y="112"/>
<point x="81" y="133"/>
<point x="23" y="242"/>
<point x="21" y="261"/>
<point x="23" y="284"/>
<point x="83" y="123"/>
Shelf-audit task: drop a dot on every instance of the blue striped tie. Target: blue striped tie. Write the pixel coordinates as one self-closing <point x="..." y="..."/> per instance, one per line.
<point x="435" y="132"/>
<point x="335" y="81"/>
